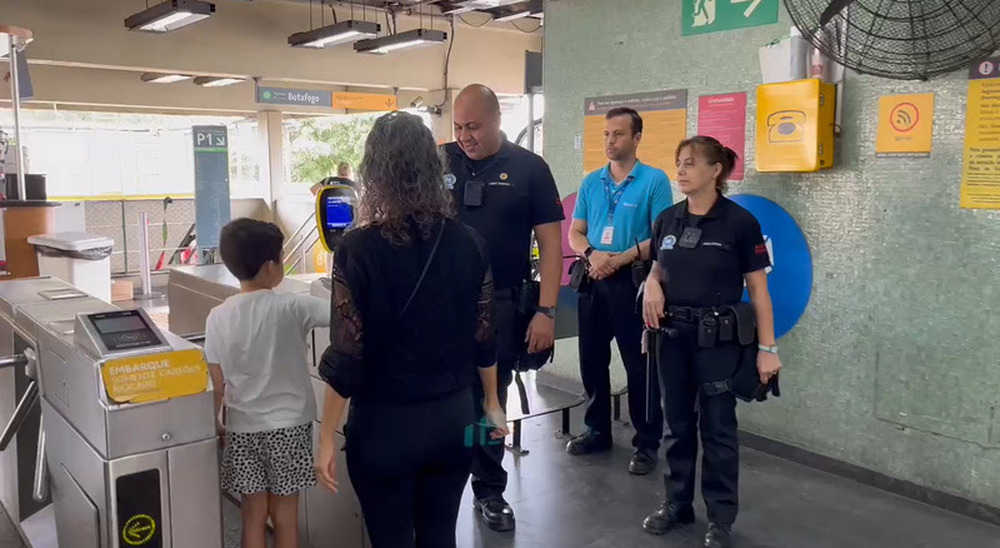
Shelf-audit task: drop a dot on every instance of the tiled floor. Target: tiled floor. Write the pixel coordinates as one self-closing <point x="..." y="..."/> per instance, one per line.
<point x="592" y="502"/>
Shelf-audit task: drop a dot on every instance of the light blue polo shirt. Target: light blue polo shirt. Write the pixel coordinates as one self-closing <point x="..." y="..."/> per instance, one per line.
<point x="645" y="194"/>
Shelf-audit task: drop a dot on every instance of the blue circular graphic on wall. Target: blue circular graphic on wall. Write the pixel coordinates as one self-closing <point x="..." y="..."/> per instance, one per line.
<point x="790" y="278"/>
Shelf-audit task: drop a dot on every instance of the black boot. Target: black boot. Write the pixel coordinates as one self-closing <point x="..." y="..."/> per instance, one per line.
<point x="719" y="536"/>
<point x="496" y="513"/>
<point x="591" y="442"/>
<point x="642" y="464"/>
<point x="667" y="518"/>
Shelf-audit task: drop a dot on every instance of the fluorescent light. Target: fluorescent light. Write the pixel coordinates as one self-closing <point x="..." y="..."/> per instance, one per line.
<point x="457" y="10"/>
<point x="513" y="16"/>
<point x="170" y="15"/>
<point x="408" y="39"/>
<point x="154" y="78"/>
<point x="332" y="35"/>
<point x="214" y="82"/>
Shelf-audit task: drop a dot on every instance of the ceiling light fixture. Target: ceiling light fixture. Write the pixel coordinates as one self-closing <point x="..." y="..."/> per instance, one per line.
<point x="336" y="34"/>
<point x="170" y="15"/>
<point x="402" y="40"/>
<point x="217" y="82"/>
<point x="155" y="78"/>
<point x="513" y="16"/>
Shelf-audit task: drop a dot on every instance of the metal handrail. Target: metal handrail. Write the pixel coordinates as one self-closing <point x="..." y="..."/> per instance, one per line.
<point x="302" y="255"/>
<point x="302" y="242"/>
<point x="309" y="220"/>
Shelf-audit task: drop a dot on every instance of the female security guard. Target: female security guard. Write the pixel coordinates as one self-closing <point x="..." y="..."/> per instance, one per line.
<point x="708" y="246"/>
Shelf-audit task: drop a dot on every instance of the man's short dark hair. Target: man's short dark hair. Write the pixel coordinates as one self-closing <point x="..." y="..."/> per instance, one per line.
<point x="631" y="113"/>
<point x="246" y="245"/>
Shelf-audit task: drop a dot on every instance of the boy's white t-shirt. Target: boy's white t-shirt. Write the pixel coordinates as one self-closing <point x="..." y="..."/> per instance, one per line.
<point x="259" y="340"/>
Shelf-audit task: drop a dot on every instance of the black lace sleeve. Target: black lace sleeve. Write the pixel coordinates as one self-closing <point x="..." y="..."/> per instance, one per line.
<point x="486" y="351"/>
<point x="341" y="365"/>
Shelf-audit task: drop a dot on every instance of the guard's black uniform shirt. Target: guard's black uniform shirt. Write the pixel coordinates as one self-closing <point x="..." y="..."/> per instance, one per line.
<point x="520" y="193"/>
<point x="711" y="274"/>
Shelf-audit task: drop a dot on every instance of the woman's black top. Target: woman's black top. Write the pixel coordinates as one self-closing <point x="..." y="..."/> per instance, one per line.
<point x="376" y="357"/>
<point x="706" y="268"/>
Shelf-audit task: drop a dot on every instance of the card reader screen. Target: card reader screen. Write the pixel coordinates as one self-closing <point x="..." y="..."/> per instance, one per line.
<point x="117" y="325"/>
<point x="124" y="330"/>
<point x="339" y="213"/>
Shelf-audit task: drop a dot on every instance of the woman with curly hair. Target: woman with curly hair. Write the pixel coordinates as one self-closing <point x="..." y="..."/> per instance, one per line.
<point x="410" y="328"/>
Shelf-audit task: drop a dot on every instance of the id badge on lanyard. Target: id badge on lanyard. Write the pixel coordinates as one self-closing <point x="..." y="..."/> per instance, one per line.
<point x="608" y="236"/>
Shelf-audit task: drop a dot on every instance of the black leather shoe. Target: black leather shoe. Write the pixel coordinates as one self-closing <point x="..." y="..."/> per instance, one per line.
<point x="719" y="536"/>
<point x="496" y="513"/>
<point x="588" y="443"/>
<point x="641" y="464"/>
<point x="667" y="518"/>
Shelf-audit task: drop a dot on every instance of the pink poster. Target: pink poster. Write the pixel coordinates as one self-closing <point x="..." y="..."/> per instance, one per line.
<point x="725" y="118"/>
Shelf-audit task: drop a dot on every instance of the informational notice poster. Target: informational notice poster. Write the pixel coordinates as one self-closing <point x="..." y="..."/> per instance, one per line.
<point x="664" y="116"/>
<point x="981" y="166"/>
<point x="725" y="118"/>
<point x="905" y="126"/>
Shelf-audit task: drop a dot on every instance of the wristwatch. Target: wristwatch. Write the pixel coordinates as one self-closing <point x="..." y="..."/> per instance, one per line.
<point x="547" y="311"/>
<point x="768" y="349"/>
<point x="590" y="249"/>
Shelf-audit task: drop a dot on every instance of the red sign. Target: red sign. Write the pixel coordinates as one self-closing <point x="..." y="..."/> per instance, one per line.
<point x="725" y="118"/>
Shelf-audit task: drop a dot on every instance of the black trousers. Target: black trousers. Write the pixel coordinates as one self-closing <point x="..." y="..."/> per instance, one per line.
<point x="683" y="368"/>
<point x="489" y="479"/>
<point x="409" y="466"/>
<point x="607" y="310"/>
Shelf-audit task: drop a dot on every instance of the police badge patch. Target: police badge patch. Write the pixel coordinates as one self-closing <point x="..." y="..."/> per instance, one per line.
<point x="668" y="243"/>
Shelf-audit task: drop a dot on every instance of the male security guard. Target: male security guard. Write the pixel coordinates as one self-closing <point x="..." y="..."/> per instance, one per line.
<point x="505" y="192"/>
<point x="613" y="220"/>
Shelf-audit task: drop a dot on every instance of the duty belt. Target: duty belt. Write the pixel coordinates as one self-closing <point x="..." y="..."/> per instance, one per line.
<point x="690" y="314"/>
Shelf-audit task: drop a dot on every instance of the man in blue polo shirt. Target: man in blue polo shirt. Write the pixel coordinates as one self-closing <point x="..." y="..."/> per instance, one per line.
<point x="615" y="210"/>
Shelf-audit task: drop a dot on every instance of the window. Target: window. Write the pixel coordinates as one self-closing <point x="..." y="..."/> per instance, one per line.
<point x="102" y="154"/>
<point x="314" y="147"/>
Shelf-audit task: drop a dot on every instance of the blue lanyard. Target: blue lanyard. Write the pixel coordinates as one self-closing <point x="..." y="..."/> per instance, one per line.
<point x="614" y="196"/>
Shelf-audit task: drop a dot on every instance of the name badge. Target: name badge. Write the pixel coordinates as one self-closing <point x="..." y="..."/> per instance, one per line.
<point x="608" y="236"/>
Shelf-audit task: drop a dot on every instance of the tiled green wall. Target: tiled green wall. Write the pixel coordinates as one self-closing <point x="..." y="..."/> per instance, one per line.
<point x="895" y="365"/>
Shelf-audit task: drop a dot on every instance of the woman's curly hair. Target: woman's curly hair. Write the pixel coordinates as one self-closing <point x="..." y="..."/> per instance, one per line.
<point x="402" y="179"/>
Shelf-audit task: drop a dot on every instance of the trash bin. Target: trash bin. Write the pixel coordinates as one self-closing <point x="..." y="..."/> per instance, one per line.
<point x="80" y="259"/>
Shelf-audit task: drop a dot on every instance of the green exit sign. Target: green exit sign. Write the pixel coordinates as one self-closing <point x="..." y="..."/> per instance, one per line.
<point x="704" y="16"/>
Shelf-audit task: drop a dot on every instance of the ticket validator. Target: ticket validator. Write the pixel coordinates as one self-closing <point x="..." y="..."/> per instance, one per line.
<point x="128" y="442"/>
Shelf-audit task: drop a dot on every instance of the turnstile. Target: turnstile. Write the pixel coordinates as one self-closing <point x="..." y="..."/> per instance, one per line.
<point x="127" y="424"/>
<point x="325" y="518"/>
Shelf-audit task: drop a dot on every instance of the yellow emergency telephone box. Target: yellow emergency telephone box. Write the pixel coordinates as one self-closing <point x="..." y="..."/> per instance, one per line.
<point x="795" y="126"/>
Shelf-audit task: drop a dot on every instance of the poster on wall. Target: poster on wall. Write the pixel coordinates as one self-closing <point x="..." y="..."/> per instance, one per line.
<point x="905" y="126"/>
<point x="981" y="165"/>
<point x="725" y="118"/>
<point x="664" y="117"/>
<point x="704" y="16"/>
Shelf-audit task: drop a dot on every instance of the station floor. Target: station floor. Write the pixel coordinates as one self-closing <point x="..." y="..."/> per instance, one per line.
<point x="592" y="502"/>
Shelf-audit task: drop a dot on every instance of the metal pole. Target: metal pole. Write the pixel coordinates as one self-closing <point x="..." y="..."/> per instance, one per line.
<point x="531" y="122"/>
<point x="15" y="96"/>
<point x="147" y="283"/>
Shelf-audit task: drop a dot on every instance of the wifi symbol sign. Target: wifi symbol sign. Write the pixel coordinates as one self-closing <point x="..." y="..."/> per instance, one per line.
<point x="904" y="117"/>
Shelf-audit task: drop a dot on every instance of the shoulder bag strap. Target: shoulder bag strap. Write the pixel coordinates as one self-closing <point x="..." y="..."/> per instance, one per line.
<point x="423" y="274"/>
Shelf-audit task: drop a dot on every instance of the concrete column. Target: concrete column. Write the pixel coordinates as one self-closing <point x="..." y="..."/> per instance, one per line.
<point x="272" y="161"/>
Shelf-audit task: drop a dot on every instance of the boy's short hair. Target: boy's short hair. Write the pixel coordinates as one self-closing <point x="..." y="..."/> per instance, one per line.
<point x="246" y="244"/>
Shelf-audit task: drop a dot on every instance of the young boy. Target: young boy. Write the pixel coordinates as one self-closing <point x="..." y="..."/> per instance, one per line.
<point x="255" y="344"/>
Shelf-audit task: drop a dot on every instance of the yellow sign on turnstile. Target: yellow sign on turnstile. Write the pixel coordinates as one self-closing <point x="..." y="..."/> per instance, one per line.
<point x="155" y="377"/>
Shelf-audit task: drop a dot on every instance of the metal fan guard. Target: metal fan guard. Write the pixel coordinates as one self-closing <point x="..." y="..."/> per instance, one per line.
<point x="903" y="39"/>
